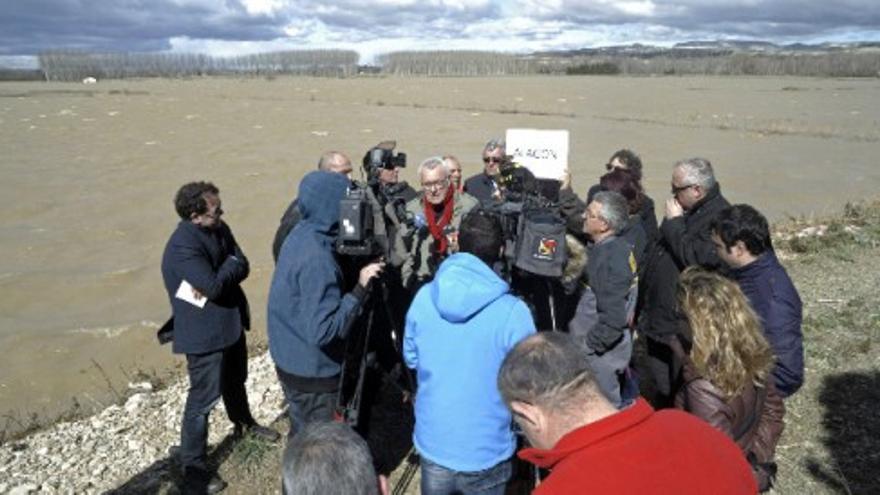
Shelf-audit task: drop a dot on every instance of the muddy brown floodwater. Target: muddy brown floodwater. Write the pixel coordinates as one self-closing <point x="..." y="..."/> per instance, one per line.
<point x="89" y="172"/>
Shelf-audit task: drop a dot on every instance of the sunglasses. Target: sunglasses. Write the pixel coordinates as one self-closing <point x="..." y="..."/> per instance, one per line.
<point x="492" y="159"/>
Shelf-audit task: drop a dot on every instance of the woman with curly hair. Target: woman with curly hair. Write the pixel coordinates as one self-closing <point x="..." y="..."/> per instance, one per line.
<point x="727" y="371"/>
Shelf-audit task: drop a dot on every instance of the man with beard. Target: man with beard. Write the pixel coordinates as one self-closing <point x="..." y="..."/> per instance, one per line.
<point x="203" y="263"/>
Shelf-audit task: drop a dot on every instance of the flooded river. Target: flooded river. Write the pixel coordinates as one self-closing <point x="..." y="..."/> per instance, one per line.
<point x="87" y="176"/>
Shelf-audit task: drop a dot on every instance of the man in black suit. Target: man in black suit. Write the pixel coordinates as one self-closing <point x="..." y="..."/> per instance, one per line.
<point x="203" y="263"/>
<point x="483" y="185"/>
<point x="685" y="240"/>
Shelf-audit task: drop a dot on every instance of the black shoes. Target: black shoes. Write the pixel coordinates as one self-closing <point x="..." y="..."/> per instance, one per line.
<point x="198" y="482"/>
<point x="258" y="431"/>
<point x="215" y="485"/>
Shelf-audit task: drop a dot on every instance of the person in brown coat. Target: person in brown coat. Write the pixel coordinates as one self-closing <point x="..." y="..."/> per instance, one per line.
<point x="727" y="371"/>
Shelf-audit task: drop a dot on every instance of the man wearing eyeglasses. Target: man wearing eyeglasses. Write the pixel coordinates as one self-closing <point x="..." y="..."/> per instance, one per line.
<point x="685" y="240"/>
<point x="203" y="268"/>
<point x="696" y="199"/>
<point x="437" y="210"/>
<point x="484" y="185"/>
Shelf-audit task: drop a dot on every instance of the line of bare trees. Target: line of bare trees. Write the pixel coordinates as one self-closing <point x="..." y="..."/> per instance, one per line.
<point x="74" y="66"/>
<point x="833" y="64"/>
<point x="476" y="63"/>
<point x="454" y="63"/>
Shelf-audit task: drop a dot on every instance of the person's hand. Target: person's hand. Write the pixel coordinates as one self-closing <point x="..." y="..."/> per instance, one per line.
<point x="370" y="272"/>
<point x="565" y="179"/>
<point x="673" y="208"/>
<point x="452" y="243"/>
<point x="198" y="296"/>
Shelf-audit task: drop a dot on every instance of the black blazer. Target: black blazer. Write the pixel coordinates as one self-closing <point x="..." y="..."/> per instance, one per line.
<point x="480" y="186"/>
<point x="212" y="262"/>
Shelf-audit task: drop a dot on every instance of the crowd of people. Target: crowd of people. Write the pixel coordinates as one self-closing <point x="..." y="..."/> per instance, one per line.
<point x="460" y="337"/>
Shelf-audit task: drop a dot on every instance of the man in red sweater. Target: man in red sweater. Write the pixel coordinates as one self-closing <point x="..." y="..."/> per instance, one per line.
<point x="589" y="446"/>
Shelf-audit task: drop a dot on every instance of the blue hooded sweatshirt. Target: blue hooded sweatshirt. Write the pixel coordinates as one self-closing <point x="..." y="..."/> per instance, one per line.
<point x="307" y="312"/>
<point x="459" y="328"/>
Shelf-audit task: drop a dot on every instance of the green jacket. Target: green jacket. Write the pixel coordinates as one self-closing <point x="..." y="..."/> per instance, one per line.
<point x="412" y="245"/>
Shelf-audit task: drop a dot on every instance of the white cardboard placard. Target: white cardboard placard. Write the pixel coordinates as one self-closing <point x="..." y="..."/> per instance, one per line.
<point x="543" y="151"/>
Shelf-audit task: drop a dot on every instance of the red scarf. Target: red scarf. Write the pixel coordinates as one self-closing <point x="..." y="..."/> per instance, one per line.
<point x="436" y="226"/>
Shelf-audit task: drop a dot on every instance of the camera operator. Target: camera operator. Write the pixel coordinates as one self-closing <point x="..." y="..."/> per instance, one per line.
<point x="374" y="381"/>
<point x="330" y="161"/>
<point x="437" y="212"/>
<point x="387" y="167"/>
<point x="308" y="314"/>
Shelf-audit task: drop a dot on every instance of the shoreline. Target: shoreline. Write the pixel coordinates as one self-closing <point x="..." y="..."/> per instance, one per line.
<point x="125" y="444"/>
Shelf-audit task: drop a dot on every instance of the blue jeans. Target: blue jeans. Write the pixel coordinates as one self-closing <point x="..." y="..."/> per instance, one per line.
<point x="438" y="480"/>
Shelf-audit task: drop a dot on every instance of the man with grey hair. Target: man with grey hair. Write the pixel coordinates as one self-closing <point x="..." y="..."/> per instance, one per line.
<point x="685" y="240"/>
<point x="330" y="161"/>
<point x="591" y="446"/>
<point x="329" y="459"/>
<point x="437" y="211"/>
<point x="696" y="199"/>
<point x="484" y="185"/>
<point x="604" y="312"/>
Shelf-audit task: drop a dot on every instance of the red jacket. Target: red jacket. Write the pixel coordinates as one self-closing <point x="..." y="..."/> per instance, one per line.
<point x="639" y="451"/>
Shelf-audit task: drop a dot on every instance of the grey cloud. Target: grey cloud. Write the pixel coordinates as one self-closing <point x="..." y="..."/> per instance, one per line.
<point x="34" y="26"/>
<point x="767" y="18"/>
<point x="383" y="20"/>
<point x="31" y="26"/>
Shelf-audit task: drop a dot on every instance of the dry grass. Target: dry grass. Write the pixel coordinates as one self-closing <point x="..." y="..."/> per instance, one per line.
<point x="831" y="440"/>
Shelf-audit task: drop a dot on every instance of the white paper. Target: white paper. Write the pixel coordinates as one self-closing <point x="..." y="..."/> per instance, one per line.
<point x="185" y="293"/>
<point x="544" y="152"/>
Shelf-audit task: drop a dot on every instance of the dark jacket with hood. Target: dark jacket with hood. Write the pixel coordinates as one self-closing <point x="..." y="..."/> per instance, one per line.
<point x="776" y="301"/>
<point x="308" y="316"/>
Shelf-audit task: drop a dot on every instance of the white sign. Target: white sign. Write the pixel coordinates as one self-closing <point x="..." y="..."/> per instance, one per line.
<point x="544" y="152"/>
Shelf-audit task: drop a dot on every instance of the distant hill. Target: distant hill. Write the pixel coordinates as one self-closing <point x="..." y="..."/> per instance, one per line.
<point x="711" y="48"/>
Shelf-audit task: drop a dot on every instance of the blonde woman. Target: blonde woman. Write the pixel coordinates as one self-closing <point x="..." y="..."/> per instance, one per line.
<point x="727" y="371"/>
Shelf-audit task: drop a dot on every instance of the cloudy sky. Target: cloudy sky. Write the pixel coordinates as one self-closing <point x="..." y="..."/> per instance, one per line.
<point x="226" y="27"/>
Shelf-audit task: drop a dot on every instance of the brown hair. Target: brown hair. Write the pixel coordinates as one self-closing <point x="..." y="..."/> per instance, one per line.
<point x="729" y="347"/>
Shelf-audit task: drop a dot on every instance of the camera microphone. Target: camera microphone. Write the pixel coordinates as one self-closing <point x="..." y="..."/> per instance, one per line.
<point x="419" y="221"/>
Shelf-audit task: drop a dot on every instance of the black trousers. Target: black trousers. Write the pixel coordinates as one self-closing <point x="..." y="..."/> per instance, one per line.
<point x="307" y="404"/>
<point x="661" y="369"/>
<point x="212" y="375"/>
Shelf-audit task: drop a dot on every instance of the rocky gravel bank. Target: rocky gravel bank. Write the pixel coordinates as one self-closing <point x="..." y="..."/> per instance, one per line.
<point x="102" y="452"/>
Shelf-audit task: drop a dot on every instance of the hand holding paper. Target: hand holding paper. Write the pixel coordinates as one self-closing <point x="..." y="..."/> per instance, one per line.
<point x="190" y="294"/>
